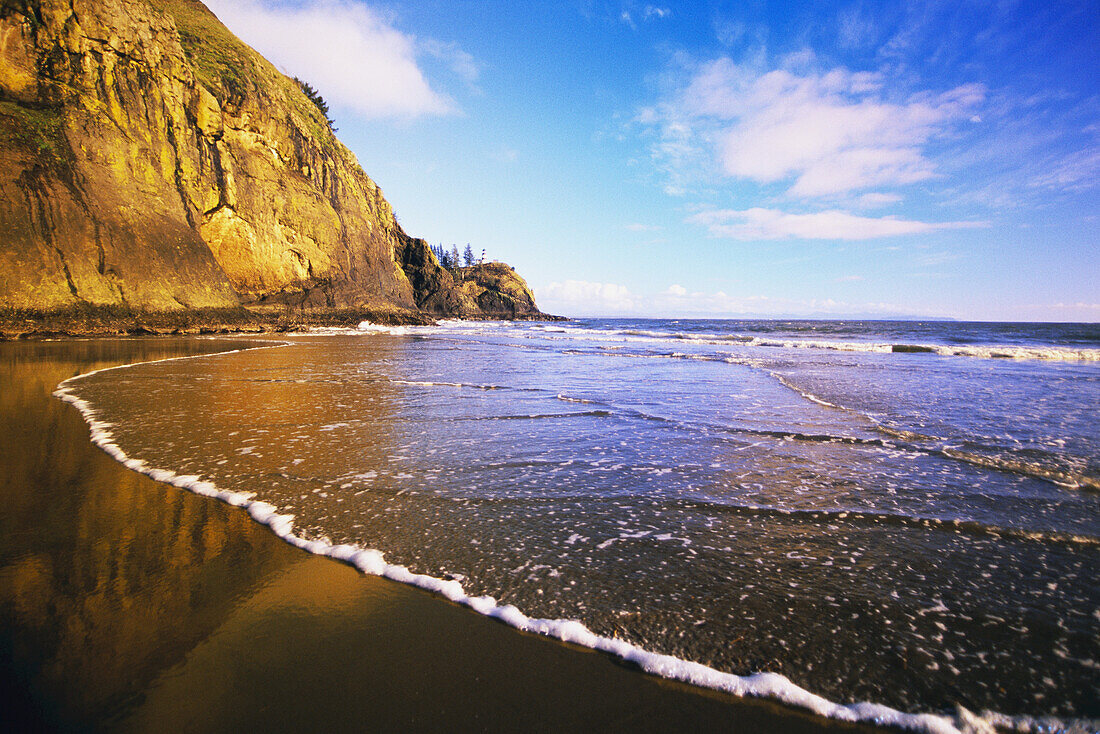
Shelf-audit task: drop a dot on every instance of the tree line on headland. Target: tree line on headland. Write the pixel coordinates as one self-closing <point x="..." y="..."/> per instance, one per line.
<point x="450" y="259"/>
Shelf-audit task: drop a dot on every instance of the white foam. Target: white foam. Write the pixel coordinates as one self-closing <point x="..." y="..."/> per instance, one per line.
<point x="581" y="401"/>
<point x="366" y="327"/>
<point x="371" y="561"/>
<point x="471" y="326"/>
<point x="1063" y="354"/>
<point x="362" y="328"/>
<point x="809" y="396"/>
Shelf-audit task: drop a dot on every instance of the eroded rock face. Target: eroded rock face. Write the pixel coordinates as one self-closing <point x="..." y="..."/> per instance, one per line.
<point x="91" y="205"/>
<point x="148" y="158"/>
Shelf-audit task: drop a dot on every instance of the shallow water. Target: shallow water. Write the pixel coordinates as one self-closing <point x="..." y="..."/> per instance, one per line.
<point x="130" y="605"/>
<point x="917" y="528"/>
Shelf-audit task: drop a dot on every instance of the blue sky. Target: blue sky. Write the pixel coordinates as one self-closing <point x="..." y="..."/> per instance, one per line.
<point x="722" y="159"/>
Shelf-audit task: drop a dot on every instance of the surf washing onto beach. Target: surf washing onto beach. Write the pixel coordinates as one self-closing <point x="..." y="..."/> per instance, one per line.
<point x="882" y="521"/>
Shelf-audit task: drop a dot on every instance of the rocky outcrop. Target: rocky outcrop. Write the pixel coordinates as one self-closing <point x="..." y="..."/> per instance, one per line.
<point x="493" y="290"/>
<point x="151" y="160"/>
<point x="487" y="290"/>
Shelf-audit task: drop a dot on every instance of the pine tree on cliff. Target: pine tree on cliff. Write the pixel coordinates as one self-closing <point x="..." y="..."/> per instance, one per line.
<point x="316" y="98"/>
<point x="468" y="256"/>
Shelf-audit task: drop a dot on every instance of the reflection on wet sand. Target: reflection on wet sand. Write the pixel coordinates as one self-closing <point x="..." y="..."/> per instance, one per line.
<point x="99" y="564"/>
<point x="127" y="604"/>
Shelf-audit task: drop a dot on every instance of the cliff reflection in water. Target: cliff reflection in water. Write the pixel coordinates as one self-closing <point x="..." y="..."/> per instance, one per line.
<point x="99" y="564"/>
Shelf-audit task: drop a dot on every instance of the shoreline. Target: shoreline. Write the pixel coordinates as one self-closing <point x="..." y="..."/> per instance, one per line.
<point x="567" y="686"/>
<point x="114" y="321"/>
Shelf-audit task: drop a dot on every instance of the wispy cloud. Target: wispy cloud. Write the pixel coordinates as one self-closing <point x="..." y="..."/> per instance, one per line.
<point x="1076" y="171"/>
<point x="855" y="29"/>
<point x="461" y="62"/>
<point x="647" y="13"/>
<point x="350" y="52"/>
<point x="772" y="224"/>
<point x="637" y="227"/>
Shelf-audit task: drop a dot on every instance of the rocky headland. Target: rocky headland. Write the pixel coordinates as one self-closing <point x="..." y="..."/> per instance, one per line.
<point x="158" y="175"/>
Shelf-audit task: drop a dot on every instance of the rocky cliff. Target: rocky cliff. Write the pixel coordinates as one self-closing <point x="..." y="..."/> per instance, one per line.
<point x="151" y="160"/>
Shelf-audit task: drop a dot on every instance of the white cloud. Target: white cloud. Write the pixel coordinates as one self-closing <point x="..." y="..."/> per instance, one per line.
<point x="581" y="297"/>
<point x="830" y="132"/>
<point x="827" y="133"/>
<point x="772" y="224"/>
<point x="349" y="52"/>
<point x="652" y="11"/>
<point x="637" y="227"/>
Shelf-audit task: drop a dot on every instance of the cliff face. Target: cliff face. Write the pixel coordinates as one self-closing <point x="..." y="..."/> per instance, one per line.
<point x="150" y="159"/>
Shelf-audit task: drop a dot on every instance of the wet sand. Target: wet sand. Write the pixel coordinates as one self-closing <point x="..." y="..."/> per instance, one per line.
<point x="129" y="605"/>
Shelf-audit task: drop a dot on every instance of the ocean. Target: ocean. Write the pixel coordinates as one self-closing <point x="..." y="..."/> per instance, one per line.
<point x="881" y="521"/>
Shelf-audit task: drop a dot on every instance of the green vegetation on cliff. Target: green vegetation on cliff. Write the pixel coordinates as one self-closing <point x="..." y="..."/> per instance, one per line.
<point x="222" y="62"/>
<point x="33" y="128"/>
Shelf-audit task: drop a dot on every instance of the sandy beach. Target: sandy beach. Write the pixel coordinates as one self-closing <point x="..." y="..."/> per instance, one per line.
<point x="129" y="605"/>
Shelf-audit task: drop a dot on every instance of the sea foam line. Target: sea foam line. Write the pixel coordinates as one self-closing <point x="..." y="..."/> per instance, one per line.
<point x="371" y="561"/>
